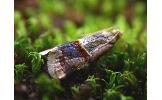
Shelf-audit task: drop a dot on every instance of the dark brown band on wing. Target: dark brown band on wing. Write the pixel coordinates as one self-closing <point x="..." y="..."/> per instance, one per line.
<point x="83" y="52"/>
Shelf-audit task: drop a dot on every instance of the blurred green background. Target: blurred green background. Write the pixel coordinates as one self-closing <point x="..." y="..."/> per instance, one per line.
<point x="119" y="74"/>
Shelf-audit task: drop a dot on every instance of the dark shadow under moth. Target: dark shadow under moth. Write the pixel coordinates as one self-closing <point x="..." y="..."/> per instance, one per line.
<point x="71" y="56"/>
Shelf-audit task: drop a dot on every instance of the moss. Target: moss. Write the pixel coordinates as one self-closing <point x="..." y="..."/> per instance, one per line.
<point x="120" y="74"/>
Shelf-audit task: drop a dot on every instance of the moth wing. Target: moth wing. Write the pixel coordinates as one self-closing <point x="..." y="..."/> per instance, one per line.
<point x="58" y="68"/>
<point x="54" y="67"/>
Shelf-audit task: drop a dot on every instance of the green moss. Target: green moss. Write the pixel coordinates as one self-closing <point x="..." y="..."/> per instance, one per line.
<point x="36" y="62"/>
<point x="47" y="85"/>
<point x="120" y="74"/>
<point x="75" y="90"/>
<point x="19" y="71"/>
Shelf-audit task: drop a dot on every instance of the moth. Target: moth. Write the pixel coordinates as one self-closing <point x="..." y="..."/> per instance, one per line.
<point x="64" y="59"/>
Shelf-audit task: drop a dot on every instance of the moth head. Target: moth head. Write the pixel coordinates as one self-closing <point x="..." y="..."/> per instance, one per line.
<point x="112" y="34"/>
